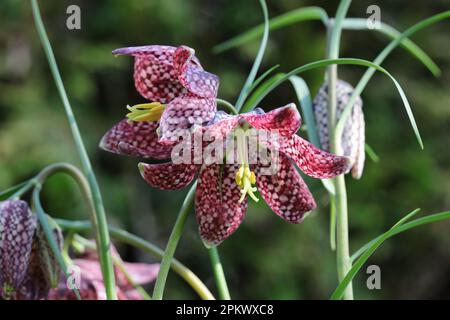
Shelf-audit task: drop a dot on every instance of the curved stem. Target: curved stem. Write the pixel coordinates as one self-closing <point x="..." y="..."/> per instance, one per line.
<point x="340" y="197"/>
<point x="147" y="247"/>
<point x="227" y="105"/>
<point x="172" y="244"/>
<point x="222" y="286"/>
<point x="100" y="223"/>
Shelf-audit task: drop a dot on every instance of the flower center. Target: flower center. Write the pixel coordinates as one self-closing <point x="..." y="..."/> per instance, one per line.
<point x="146" y="111"/>
<point x="245" y="178"/>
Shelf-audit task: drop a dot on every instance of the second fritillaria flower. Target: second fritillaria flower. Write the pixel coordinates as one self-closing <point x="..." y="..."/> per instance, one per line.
<point x="180" y="92"/>
<point x="28" y="268"/>
<point x="353" y="136"/>
<point x="221" y="196"/>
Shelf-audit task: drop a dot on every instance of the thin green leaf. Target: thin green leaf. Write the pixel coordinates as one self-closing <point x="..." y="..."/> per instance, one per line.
<point x="371" y="153"/>
<point x="262" y="77"/>
<point x="374" y="244"/>
<point x="45" y="222"/>
<point x="411" y="47"/>
<point x="380" y="58"/>
<point x="289" y="18"/>
<point x="260" y="94"/>
<point x="6" y="194"/>
<point x="262" y="48"/>
<point x="304" y="98"/>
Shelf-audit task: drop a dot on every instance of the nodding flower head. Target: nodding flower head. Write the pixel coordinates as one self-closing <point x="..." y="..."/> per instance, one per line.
<point x="181" y="94"/>
<point x="28" y="268"/>
<point x="353" y="136"/>
<point x="223" y="188"/>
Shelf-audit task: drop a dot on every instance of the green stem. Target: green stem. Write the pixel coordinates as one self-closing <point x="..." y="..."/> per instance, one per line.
<point x="175" y="236"/>
<point x="100" y="223"/>
<point x="222" y="286"/>
<point x="227" y="105"/>
<point x="147" y="247"/>
<point x="340" y="197"/>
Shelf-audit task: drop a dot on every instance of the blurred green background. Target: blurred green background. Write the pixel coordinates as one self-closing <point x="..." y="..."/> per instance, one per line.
<point x="266" y="258"/>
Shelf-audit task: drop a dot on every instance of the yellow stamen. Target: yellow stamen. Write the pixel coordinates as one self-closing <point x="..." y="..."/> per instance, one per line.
<point x="245" y="179"/>
<point x="146" y="111"/>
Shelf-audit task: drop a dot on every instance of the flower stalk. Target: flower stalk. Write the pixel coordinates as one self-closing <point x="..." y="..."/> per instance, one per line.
<point x="100" y="223"/>
<point x="340" y="197"/>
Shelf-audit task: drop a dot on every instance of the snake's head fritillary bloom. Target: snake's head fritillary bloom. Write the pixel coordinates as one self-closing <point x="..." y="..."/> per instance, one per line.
<point x="90" y="282"/>
<point x="17" y="228"/>
<point x="181" y="94"/>
<point x="353" y="136"/>
<point x="28" y="268"/>
<point x="223" y="189"/>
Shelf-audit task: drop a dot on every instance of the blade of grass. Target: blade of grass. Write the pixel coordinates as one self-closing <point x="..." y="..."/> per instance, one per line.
<point x="101" y="227"/>
<point x="262" y="77"/>
<point x="379" y="59"/>
<point x="286" y="19"/>
<point x="371" y="247"/>
<point x="262" y="48"/>
<point x="272" y="83"/>
<point x="14" y="191"/>
<point x="371" y="153"/>
<point x="391" y="32"/>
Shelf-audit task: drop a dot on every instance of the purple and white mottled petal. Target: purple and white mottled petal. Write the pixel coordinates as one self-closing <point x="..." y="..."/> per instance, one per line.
<point x="17" y="228"/>
<point x="168" y="176"/>
<point x="311" y="160"/>
<point x="135" y="139"/>
<point x="286" y="120"/>
<point x="285" y="191"/>
<point x="182" y="114"/>
<point x="217" y="206"/>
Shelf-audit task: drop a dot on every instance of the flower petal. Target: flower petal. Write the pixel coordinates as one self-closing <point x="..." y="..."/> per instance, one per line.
<point x="182" y="114"/>
<point x="286" y="120"/>
<point x="17" y="228"/>
<point x="140" y="273"/>
<point x="154" y="76"/>
<point x="285" y="191"/>
<point x="168" y="176"/>
<point x="217" y="206"/>
<point x="135" y="139"/>
<point x="311" y="160"/>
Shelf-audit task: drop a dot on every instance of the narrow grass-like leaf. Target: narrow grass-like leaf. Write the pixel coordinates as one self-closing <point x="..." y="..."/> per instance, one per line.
<point x="391" y="32"/>
<point x="262" y="77"/>
<point x="273" y="83"/>
<point x="371" y="153"/>
<point x="10" y="192"/>
<point x="262" y="48"/>
<point x="380" y="58"/>
<point x="44" y="222"/>
<point x="374" y="244"/>
<point x="304" y="98"/>
<point x="289" y="18"/>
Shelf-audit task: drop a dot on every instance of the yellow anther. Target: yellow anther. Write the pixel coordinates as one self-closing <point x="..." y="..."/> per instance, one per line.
<point x="245" y="179"/>
<point x="146" y="111"/>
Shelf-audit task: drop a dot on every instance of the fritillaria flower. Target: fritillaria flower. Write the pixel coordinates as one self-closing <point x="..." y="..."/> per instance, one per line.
<point x="221" y="196"/>
<point x="28" y="268"/>
<point x="353" y="136"/>
<point x="87" y="277"/>
<point x="181" y="94"/>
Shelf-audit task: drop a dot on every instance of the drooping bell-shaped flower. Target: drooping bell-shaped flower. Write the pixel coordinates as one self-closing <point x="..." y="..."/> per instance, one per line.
<point x="221" y="196"/>
<point x="28" y="268"/>
<point x="353" y="136"/>
<point x="181" y="94"/>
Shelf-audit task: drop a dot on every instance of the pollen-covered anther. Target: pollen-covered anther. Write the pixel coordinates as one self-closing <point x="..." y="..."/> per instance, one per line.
<point x="146" y="112"/>
<point x="246" y="179"/>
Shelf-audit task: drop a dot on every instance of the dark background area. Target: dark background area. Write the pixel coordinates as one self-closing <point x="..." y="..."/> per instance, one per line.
<point x="266" y="258"/>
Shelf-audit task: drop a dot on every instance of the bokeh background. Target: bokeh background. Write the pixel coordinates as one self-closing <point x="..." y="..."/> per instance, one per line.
<point x="266" y="258"/>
